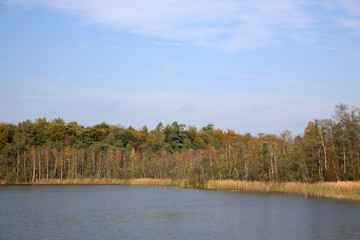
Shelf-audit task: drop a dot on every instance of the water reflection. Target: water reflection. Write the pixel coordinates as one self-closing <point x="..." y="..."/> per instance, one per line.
<point x="135" y="212"/>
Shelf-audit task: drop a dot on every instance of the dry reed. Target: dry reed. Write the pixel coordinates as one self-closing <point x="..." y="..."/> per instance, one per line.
<point x="81" y="181"/>
<point x="156" y="182"/>
<point x="135" y="181"/>
<point x="339" y="190"/>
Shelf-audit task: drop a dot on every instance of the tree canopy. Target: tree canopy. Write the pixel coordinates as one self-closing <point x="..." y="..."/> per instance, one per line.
<point x="328" y="150"/>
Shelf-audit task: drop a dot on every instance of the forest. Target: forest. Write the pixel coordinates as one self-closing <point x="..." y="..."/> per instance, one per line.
<point x="328" y="150"/>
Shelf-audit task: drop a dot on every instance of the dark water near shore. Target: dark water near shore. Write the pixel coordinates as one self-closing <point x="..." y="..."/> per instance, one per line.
<point x="136" y="212"/>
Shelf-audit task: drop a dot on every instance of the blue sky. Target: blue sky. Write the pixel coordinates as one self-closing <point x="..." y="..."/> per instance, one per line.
<point x="251" y="66"/>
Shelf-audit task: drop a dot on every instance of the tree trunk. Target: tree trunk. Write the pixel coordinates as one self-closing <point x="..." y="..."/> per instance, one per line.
<point x="344" y="159"/>
<point x="17" y="166"/>
<point x="34" y="167"/>
<point x="56" y="163"/>
<point x="47" y="165"/>
<point x="82" y="164"/>
<point x="324" y="148"/>
<point x="39" y="156"/>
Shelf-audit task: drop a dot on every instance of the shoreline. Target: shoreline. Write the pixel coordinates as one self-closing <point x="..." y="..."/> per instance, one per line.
<point x="334" y="190"/>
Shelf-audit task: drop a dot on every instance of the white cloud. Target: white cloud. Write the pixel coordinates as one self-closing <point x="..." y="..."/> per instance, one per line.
<point x="351" y="19"/>
<point x="309" y="37"/>
<point x="176" y="44"/>
<point x="326" y="48"/>
<point x="161" y="44"/>
<point x="352" y="7"/>
<point x="353" y="23"/>
<point x="226" y="25"/>
<point x="64" y="97"/>
<point x="169" y="70"/>
<point x="357" y="53"/>
<point x="81" y="45"/>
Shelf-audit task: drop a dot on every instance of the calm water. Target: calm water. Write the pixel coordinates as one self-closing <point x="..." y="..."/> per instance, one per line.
<point x="136" y="212"/>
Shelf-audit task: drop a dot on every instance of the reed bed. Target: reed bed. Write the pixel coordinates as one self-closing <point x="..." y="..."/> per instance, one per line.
<point x="80" y="181"/>
<point x="339" y="190"/>
<point x="135" y="181"/>
<point x="157" y="182"/>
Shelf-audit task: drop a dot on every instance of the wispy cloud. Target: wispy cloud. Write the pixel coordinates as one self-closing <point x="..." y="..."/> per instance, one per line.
<point x="357" y="53"/>
<point x="244" y="111"/>
<point x="188" y="109"/>
<point x="111" y="39"/>
<point x="110" y="107"/>
<point x="241" y="111"/>
<point x="176" y="44"/>
<point x="326" y="48"/>
<point x="260" y="108"/>
<point x="309" y="36"/>
<point x="161" y="44"/>
<point x="350" y="52"/>
<point x="49" y="97"/>
<point x="81" y="45"/>
<point x="227" y="25"/>
<point x="351" y="18"/>
<point x="169" y="70"/>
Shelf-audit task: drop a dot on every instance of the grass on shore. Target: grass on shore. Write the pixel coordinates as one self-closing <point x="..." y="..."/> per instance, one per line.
<point x="338" y="190"/>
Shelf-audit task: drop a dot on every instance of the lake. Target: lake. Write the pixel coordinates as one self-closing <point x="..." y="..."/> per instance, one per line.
<point x="138" y="212"/>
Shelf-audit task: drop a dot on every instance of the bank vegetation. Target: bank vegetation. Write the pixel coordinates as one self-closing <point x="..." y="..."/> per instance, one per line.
<point x="327" y="151"/>
<point x="337" y="190"/>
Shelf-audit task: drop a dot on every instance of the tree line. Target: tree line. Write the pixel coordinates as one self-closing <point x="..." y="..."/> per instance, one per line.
<point x="328" y="150"/>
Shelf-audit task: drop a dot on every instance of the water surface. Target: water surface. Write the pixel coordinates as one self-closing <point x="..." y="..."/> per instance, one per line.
<point x="137" y="212"/>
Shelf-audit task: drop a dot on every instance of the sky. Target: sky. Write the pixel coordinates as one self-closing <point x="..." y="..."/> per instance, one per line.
<point x="246" y="65"/>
